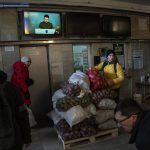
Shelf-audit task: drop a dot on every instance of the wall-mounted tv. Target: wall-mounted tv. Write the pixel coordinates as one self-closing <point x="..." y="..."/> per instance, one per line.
<point x="41" y="23"/>
<point x="82" y="24"/>
<point x="116" y="26"/>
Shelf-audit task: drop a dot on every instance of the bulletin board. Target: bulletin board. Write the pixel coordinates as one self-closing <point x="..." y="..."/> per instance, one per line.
<point x="119" y="50"/>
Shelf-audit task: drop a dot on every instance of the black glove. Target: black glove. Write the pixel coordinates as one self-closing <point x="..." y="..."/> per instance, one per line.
<point x="27" y="95"/>
<point x="29" y="81"/>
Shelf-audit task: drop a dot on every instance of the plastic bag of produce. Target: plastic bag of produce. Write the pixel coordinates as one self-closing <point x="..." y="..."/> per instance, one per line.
<point x="80" y="79"/>
<point x="71" y="89"/>
<point x="97" y="82"/>
<point x="63" y="104"/>
<point x="32" y="120"/>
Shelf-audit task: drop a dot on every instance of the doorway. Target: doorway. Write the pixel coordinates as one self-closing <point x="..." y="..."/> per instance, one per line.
<point x="38" y="71"/>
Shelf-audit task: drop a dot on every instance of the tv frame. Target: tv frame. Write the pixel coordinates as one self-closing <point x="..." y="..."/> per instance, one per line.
<point x="109" y="19"/>
<point x="40" y="35"/>
<point x="82" y="34"/>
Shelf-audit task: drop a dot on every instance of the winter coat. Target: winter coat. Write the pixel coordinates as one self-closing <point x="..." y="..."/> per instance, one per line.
<point x="19" y="77"/>
<point x="141" y="132"/>
<point x="19" y="115"/>
<point x="109" y="73"/>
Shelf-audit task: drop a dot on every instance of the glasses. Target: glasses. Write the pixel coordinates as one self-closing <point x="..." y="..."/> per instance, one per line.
<point x="120" y="121"/>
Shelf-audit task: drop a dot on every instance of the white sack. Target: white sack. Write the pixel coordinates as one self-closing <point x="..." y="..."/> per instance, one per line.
<point x="109" y="124"/>
<point x="55" y="117"/>
<point x="81" y="79"/>
<point x="107" y="104"/>
<point x="75" y="115"/>
<point x="90" y="110"/>
<point x="56" y="96"/>
<point x="104" y="115"/>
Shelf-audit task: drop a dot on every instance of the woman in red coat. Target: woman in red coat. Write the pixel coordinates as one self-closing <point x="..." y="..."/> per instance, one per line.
<point x="20" y="78"/>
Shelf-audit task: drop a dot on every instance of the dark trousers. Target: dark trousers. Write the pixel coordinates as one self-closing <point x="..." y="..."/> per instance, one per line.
<point x="117" y="99"/>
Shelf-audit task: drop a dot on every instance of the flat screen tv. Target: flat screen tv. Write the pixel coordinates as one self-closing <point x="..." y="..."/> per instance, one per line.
<point x="82" y="24"/>
<point x="41" y="23"/>
<point x="116" y="26"/>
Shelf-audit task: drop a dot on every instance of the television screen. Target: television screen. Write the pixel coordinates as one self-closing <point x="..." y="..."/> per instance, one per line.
<point x="44" y="23"/>
<point x="116" y="26"/>
<point x="82" y="24"/>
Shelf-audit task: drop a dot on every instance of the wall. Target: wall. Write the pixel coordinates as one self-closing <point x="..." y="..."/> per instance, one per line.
<point x="9" y="55"/>
<point x="61" y="64"/>
<point x="140" y="27"/>
<point x="111" y="4"/>
<point x="60" y="53"/>
<point x="146" y="69"/>
<point x="8" y="32"/>
<point x="8" y="25"/>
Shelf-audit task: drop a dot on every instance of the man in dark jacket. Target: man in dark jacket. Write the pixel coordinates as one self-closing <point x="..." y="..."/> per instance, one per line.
<point x="135" y="121"/>
<point x="46" y="24"/>
<point x="18" y="112"/>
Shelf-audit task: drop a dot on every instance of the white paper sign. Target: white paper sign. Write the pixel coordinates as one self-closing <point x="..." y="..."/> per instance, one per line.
<point x="137" y="59"/>
<point x="9" y="49"/>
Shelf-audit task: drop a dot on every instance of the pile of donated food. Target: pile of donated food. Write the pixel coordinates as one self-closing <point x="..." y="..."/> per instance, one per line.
<point x="83" y="106"/>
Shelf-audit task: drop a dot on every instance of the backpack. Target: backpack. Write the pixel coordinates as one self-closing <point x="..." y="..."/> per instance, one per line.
<point x="7" y="130"/>
<point x="106" y="63"/>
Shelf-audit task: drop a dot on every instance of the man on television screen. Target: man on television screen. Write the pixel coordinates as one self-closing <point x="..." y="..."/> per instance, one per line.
<point x="46" y="24"/>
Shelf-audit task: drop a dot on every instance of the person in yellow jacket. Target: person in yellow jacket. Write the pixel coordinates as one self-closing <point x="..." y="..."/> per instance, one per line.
<point x="112" y="71"/>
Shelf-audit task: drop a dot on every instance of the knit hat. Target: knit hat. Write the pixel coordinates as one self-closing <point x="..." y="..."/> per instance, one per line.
<point x="110" y="51"/>
<point x="3" y="77"/>
<point x="25" y="59"/>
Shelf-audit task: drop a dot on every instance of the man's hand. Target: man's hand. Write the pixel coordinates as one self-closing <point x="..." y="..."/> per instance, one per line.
<point x="110" y="82"/>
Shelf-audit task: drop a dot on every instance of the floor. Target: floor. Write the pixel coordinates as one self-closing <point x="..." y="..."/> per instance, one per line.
<point x="45" y="138"/>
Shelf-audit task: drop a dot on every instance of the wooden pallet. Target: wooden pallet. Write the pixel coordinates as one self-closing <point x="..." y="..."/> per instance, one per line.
<point x="102" y="135"/>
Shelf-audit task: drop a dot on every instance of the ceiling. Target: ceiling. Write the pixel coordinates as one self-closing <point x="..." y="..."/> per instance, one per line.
<point x="131" y="5"/>
<point x="142" y="2"/>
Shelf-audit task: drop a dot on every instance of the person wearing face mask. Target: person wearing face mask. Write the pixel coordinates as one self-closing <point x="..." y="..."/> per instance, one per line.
<point x="20" y="78"/>
<point x="112" y="72"/>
